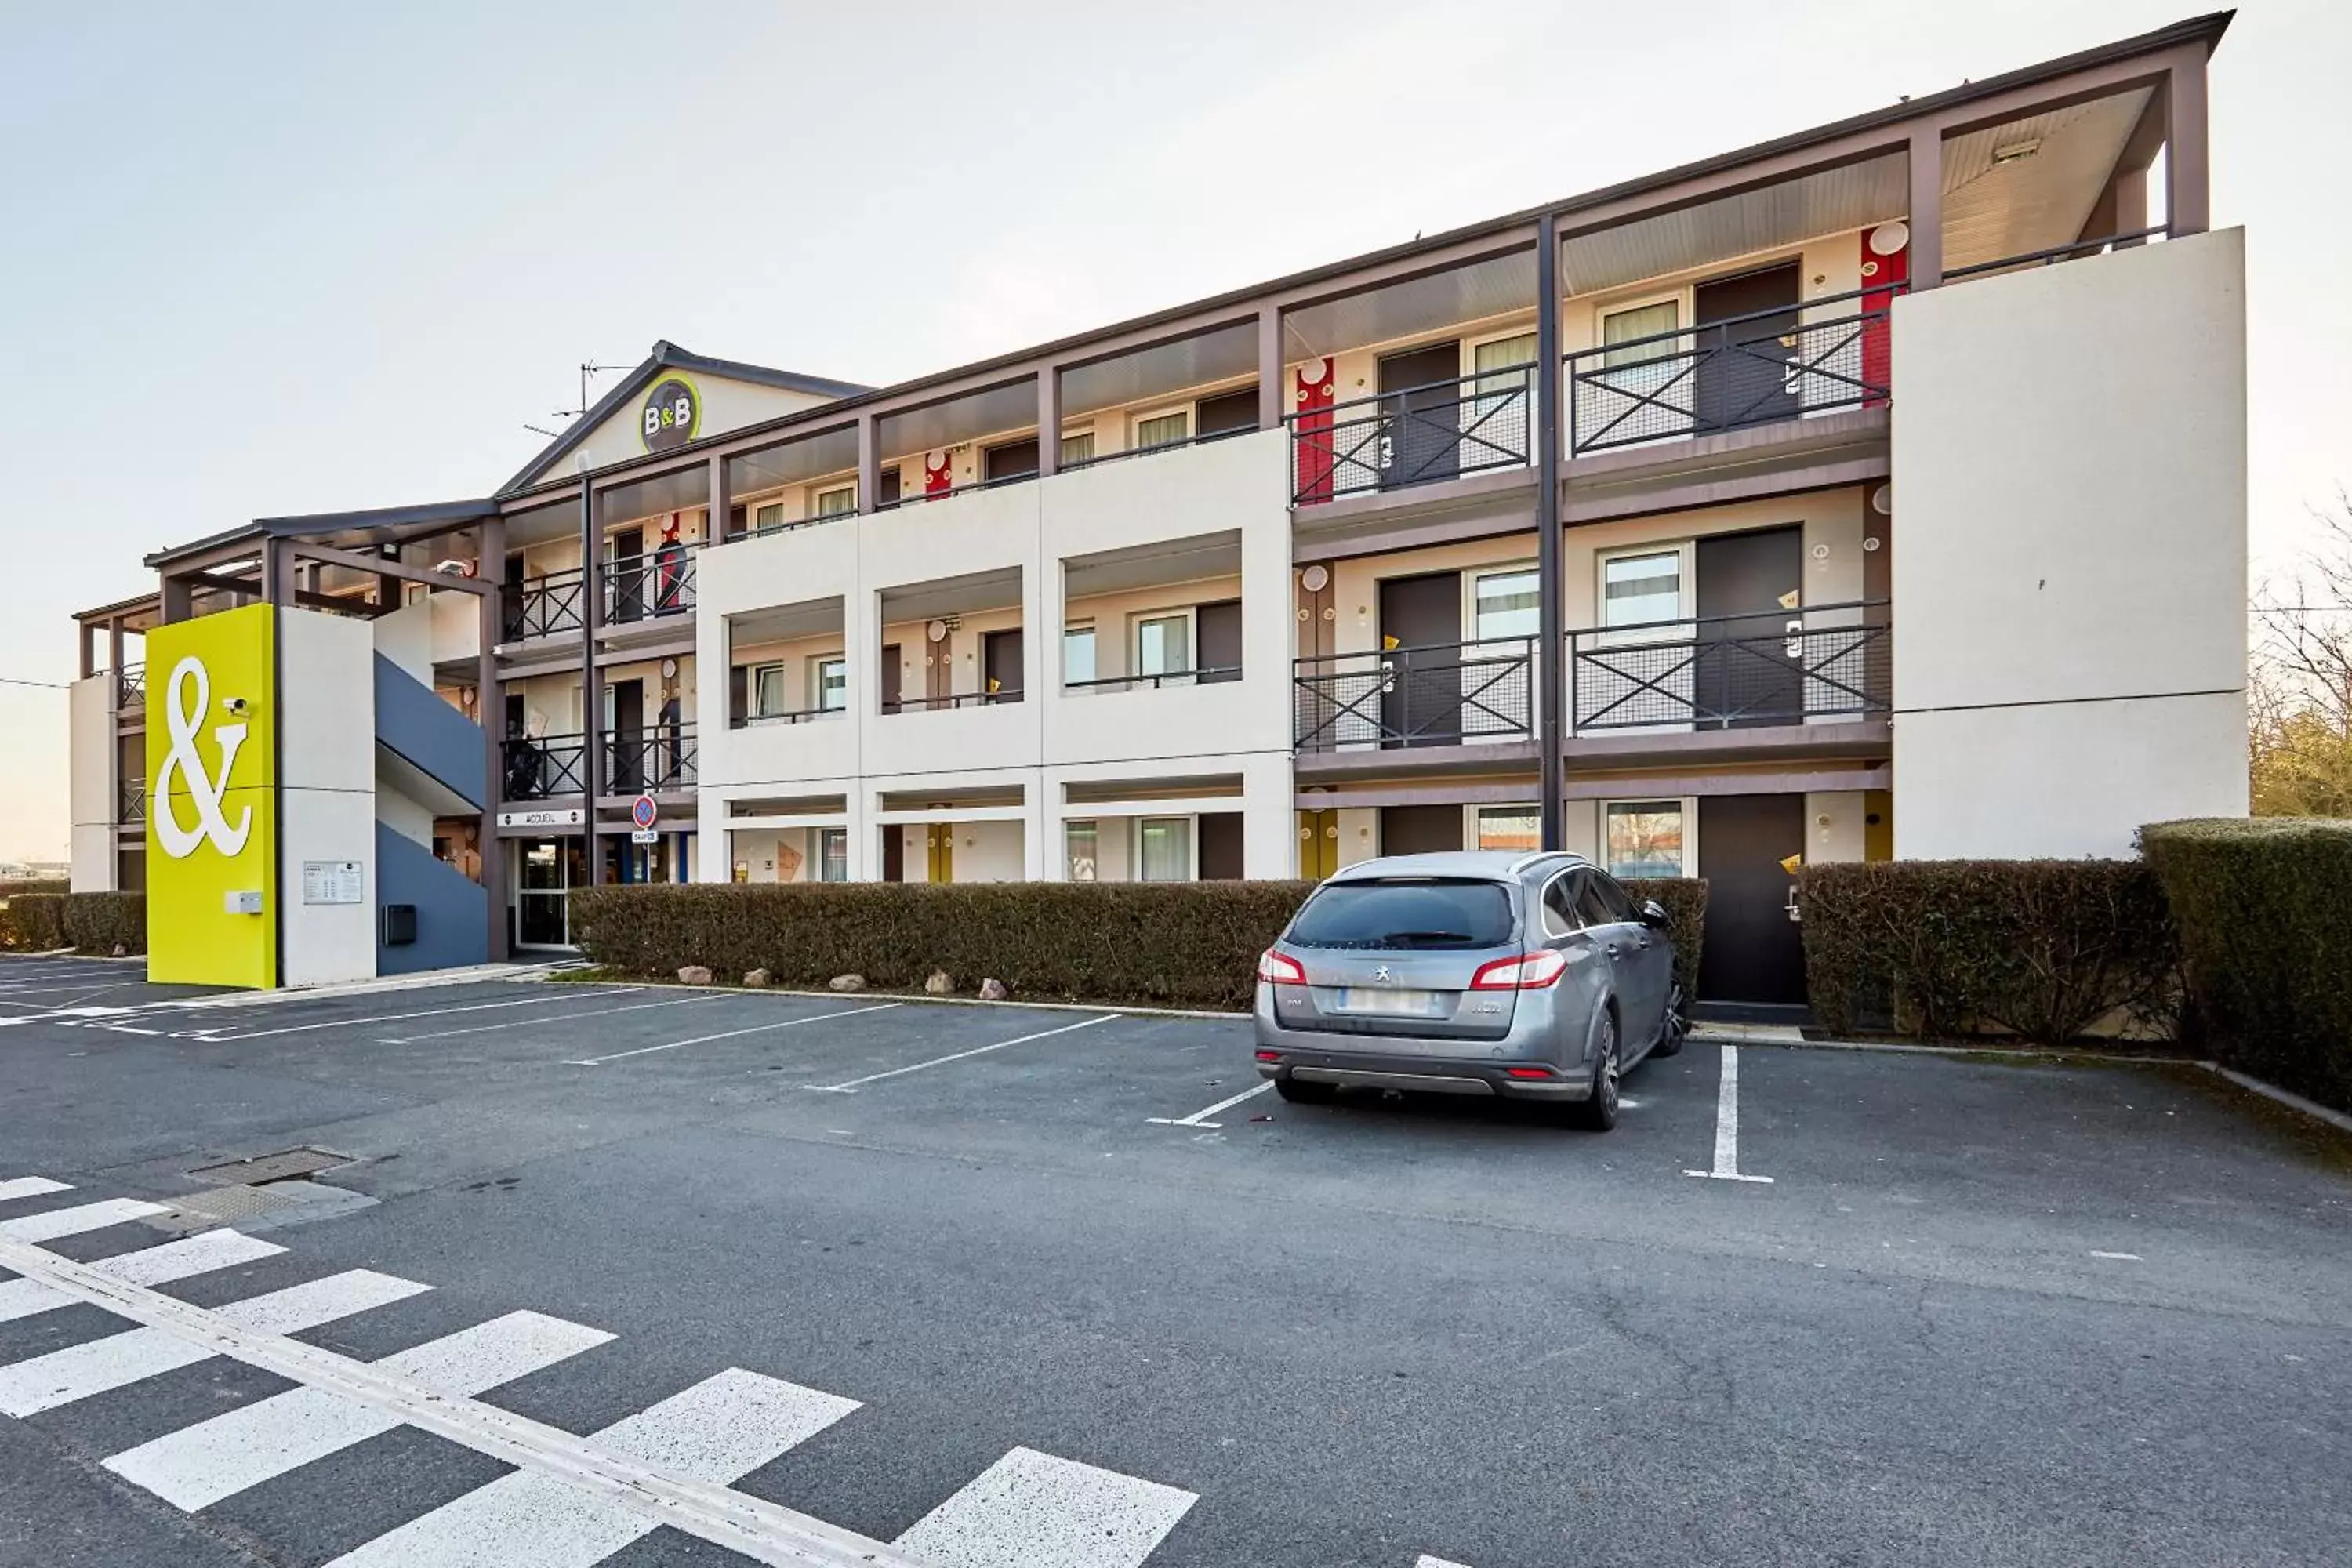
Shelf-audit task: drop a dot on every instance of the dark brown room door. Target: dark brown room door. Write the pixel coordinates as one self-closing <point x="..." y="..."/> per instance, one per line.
<point x="1423" y="396"/>
<point x="1743" y="364"/>
<point x="1422" y="702"/>
<point x="1744" y="675"/>
<point x="1751" y="951"/>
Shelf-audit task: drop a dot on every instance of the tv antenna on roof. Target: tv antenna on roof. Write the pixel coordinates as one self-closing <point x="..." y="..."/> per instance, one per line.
<point x="587" y="369"/>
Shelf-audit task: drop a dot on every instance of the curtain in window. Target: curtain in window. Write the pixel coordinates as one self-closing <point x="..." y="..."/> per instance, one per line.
<point x="1644" y="320"/>
<point x="1164" y="850"/>
<point x="1163" y="645"/>
<point x="1077" y="447"/>
<point x="1078" y="655"/>
<point x="1164" y="430"/>
<point x="1636" y="590"/>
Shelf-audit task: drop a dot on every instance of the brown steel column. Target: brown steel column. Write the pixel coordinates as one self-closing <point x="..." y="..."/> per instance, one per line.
<point x="1049" y="419"/>
<point x="489" y="710"/>
<point x="869" y="463"/>
<point x="2187" y="195"/>
<point x="173" y="594"/>
<point x="591" y="692"/>
<point x="1927" y="208"/>
<point x="1271" y="398"/>
<point x="1551" y="640"/>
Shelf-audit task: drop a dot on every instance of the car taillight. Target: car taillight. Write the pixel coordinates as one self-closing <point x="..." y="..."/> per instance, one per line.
<point x="1279" y="969"/>
<point x="1528" y="971"/>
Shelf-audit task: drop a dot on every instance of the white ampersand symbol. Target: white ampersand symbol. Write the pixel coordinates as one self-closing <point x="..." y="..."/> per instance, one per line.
<point x="183" y="759"/>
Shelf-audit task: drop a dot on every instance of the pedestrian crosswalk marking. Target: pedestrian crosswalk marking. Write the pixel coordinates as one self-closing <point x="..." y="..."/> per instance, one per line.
<point x="181" y="1260"/>
<point x="73" y="1221"/>
<point x="1034" y="1511"/>
<point x="200" y="1465"/>
<point x="98" y="1367"/>
<point x="30" y="1187"/>
<point x="571" y="1501"/>
<point x="722" y="1428"/>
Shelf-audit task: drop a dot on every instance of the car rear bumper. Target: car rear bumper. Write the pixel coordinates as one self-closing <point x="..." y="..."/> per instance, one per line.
<point x="1419" y="1074"/>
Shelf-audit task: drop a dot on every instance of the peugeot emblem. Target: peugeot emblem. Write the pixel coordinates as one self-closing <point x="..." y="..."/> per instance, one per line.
<point x="1381" y="975"/>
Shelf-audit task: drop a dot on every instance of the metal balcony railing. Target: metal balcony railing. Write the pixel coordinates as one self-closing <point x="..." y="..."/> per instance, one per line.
<point x="1207" y="675"/>
<point x="642" y="587"/>
<point x="1099" y="458"/>
<point x="543" y="768"/>
<point x="958" y="700"/>
<point x="1416" y="436"/>
<point x="546" y="606"/>
<point x="660" y="758"/>
<point x="798" y="716"/>
<point x="1825" y="662"/>
<point x="130" y="802"/>
<point x="1816" y="664"/>
<point x="1829" y="352"/>
<point x="131" y="688"/>
<point x="1438" y="695"/>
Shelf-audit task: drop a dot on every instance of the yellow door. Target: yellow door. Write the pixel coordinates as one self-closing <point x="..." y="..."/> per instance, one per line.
<point x="1319" y="844"/>
<point x="939" y="840"/>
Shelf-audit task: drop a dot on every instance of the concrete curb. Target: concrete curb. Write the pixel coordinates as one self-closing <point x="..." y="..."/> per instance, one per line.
<point x="419" y="981"/>
<point x="925" y="999"/>
<point x="2287" y="1097"/>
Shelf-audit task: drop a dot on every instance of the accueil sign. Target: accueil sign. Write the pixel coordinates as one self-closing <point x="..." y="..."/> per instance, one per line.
<point x="212" y="800"/>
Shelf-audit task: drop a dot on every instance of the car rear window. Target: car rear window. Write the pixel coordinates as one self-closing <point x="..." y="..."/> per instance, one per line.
<point x="1406" y="912"/>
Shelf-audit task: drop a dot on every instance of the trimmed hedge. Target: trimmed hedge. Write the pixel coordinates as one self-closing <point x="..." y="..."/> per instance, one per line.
<point x="1180" y="944"/>
<point x="1684" y="901"/>
<point x="34" y="922"/>
<point x="88" y="923"/>
<point x="100" y="922"/>
<point x="21" y="886"/>
<point x="2264" y="908"/>
<point x="2043" y="948"/>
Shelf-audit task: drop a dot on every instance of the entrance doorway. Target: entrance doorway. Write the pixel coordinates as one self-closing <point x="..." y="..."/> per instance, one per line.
<point x="938" y="841"/>
<point x="1743" y="369"/>
<point x="545" y="872"/>
<point x="1421" y="394"/>
<point x="1752" y="950"/>
<point x="1750" y="661"/>
<point x="1421" y="627"/>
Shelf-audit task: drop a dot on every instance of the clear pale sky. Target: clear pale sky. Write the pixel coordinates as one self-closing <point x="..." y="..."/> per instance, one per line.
<point x="288" y="257"/>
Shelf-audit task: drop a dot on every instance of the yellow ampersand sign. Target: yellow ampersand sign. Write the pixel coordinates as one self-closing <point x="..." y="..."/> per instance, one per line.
<point x="204" y="790"/>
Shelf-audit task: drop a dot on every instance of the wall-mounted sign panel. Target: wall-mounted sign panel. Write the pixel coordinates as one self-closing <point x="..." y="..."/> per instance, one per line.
<point x="555" y="816"/>
<point x="671" y="414"/>
<point x="212" y="814"/>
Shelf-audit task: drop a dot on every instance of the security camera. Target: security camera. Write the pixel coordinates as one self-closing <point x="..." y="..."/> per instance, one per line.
<point x="238" y="705"/>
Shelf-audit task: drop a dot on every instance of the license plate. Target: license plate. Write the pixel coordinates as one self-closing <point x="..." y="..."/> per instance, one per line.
<point x="1394" y="1003"/>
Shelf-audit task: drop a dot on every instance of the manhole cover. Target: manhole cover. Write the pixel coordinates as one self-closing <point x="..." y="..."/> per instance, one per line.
<point x="263" y="1169"/>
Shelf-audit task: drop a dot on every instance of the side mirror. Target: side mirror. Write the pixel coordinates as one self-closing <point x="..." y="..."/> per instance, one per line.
<point x="1653" y="915"/>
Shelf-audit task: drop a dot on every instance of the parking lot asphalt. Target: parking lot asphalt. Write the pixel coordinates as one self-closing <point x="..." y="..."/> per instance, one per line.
<point x="1956" y="1310"/>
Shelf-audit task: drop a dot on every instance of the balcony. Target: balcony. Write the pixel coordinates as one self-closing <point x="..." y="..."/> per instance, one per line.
<point x="1821" y="664"/>
<point x="553" y="605"/>
<point x="656" y="761"/>
<point x="130" y="803"/>
<point x="131" y="689"/>
<point x="1759" y="368"/>
<point x="1416" y="435"/>
<point x="546" y="767"/>
<point x="639" y="588"/>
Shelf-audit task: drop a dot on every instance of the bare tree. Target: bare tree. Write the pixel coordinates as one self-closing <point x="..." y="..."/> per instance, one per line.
<point x="2303" y="621"/>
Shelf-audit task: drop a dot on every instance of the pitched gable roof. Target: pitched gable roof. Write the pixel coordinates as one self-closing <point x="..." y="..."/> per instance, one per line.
<point x="668" y="356"/>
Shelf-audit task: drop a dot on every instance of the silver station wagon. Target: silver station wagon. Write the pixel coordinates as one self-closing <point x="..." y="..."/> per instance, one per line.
<point x="1535" y="976"/>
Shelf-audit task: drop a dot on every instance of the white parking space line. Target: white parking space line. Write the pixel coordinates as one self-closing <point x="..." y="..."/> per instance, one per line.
<point x="722" y="1427"/>
<point x="198" y="1466"/>
<point x="1428" y="1561"/>
<point x="31" y="1187"/>
<point x="181" y="1260"/>
<point x="2120" y="1257"/>
<point x="855" y="1084"/>
<point x="730" y="1034"/>
<point x="215" y="1037"/>
<point x="1201" y="1118"/>
<point x="75" y="1220"/>
<point x="553" y="1018"/>
<point x="1032" y="1510"/>
<point x="99" y="1367"/>
<point x="1726" y="1126"/>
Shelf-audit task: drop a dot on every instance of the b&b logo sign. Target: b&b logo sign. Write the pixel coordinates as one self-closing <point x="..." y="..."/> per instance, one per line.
<point x="672" y="413"/>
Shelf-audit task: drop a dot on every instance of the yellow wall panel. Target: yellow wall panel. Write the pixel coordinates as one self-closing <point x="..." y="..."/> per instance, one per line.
<point x="211" y="809"/>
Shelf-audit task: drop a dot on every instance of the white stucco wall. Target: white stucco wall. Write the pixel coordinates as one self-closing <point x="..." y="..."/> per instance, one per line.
<point x="326" y="795"/>
<point x="2069" y="572"/>
<point x="1037" y="745"/>
<point x="89" y="781"/>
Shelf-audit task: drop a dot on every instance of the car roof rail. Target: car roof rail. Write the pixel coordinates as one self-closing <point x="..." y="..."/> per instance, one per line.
<point x="1524" y="861"/>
